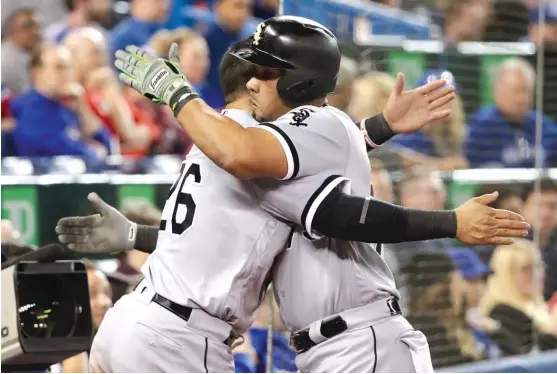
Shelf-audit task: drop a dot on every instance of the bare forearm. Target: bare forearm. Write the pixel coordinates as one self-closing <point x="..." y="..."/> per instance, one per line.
<point x="223" y="140"/>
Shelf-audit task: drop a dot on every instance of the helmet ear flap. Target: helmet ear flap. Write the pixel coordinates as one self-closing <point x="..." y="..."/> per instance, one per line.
<point x="299" y="87"/>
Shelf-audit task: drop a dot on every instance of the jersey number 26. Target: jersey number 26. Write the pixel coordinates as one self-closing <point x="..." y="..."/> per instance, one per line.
<point x="182" y="198"/>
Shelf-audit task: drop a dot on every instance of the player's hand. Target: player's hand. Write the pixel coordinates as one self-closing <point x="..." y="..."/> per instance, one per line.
<point x="477" y="223"/>
<point x="156" y="78"/>
<point x="106" y="232"/>
<point x="409" y="111"/>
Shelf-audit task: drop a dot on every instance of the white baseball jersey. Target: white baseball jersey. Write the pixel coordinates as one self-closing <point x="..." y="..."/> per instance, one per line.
<point x="315" y="278"/>
<point x="216" y="245"/>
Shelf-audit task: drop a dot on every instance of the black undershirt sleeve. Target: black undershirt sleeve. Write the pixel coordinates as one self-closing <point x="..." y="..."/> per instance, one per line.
<point x="146" y="238"/>
<point x="370" y="220"/>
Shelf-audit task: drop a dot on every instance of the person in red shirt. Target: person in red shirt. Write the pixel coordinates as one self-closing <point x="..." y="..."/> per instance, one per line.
<point x="133" y="131"/>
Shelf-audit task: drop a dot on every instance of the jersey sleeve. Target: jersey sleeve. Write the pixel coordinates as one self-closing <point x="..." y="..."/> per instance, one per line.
<point x="317" y="148"/>
<point x="311" y="138"/>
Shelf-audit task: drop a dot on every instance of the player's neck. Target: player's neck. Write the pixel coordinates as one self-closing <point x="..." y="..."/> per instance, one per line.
<point x="242" y="103"/>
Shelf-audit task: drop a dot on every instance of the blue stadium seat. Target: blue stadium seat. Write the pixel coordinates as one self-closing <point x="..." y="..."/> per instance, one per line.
<point x="349" y="20"/>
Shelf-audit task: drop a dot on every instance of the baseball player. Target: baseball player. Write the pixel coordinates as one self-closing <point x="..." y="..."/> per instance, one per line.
<point x="166" y="82"/>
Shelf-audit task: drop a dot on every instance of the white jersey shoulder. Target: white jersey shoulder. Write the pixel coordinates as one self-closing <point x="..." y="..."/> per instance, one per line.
<point x="321" y="144"/>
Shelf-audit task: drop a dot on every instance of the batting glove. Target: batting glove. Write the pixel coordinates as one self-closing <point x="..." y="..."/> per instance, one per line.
<point x="161" y="80"/>
<point x="106" y="232"/>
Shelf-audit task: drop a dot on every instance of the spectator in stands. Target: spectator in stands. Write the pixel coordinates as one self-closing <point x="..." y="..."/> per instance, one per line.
<point x="265" y="8"/>
<point x="510" y="196"/>
<point x="45" y="126"/>
<point x="431" y="278"/>
<point x="100" y="298"/>
<point x="508" y="22"/>
<point x="547" y="35"/>
<point x="230" y="19"/>
<point x="146" y="18"/>
<point x="106" y="96"/>
<point x="369" y="96"/>
<point x="471" y="281"/>
<point x="252" y="356"/>
<point x="423" y="190"/>
<point x="544" y="219"/>
<point x="21" y="37"/>
<point x="82" y="13"/>
<point x="8" y="123"/>
<point x="503" y="135"/>
<point x="381" y="182"/>
<point x="343" y="91"/>
<point x="194" y="55"/>
<point x="465" y="20"/>
<point x="438" y="145"/>
<point x="514" y="298"/>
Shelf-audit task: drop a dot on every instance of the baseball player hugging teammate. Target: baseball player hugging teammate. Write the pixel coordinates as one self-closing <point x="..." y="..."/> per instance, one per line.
<point x="284" y="196"/>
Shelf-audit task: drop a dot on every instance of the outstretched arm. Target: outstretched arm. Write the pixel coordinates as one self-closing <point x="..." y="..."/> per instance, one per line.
<point x="252" y="152"/>
<point x="244" y="153"/>
<point x="369" y="220"/>
<point x="106" y="232"/>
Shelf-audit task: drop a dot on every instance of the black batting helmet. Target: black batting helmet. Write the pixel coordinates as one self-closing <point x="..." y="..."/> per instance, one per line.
<point x="306" y="51"/>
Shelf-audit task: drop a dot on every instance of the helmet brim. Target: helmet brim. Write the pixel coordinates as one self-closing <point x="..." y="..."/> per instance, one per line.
<point x="261" y="58"/>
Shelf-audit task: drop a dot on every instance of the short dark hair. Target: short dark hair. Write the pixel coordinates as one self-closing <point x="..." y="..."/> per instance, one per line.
<point x="36" y="59"/>
<point x="234" y="73"/>
<point x="9" y="22"/>
<point x="546" y="185"/>
<point x="70" y="5"/>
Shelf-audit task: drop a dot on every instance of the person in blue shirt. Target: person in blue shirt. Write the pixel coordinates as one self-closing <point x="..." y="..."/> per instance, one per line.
<point x="44" y="126"/>
<point x="81" y="13"/>
<point x="547" y="34"/>
<point x="473" y="277"/>
<point x="251" y="357"/>
<point x="231" y="18"/>
<point x="146" y="18"/>
<point x="438" y="145"/>
<point x="504" y="134"/>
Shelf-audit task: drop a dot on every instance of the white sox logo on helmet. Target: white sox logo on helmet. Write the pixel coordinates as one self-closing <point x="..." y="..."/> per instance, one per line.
<point x="257" y="34"/>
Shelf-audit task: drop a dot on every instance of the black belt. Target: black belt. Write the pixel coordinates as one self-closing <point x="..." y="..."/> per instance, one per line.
<point x="301" y="342"/>
<point x="181" y="311"/>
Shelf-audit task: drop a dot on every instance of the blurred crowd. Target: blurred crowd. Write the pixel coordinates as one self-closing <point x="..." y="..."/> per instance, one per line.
<point x="61" y="94"/>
